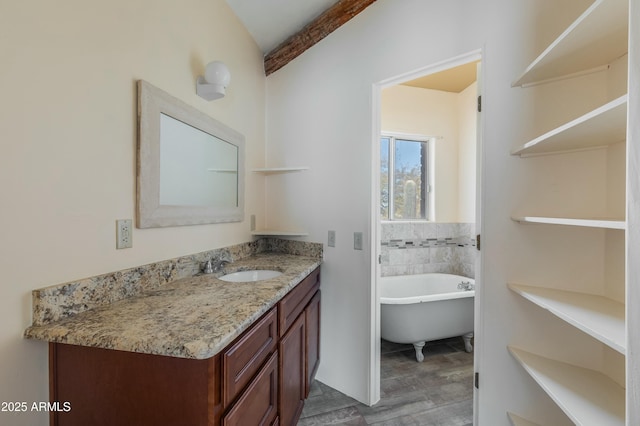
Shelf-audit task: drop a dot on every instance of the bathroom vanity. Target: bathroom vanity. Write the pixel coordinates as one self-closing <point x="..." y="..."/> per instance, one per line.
<point x="213" y="353"/>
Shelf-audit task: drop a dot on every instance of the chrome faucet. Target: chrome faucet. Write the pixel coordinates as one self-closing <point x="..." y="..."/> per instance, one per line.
<point x="216" y="264"/>
<point x="208" y="267"/>
<point x="466" y="286"/>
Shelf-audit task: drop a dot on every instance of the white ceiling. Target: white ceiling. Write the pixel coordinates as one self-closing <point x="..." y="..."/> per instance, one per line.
<point x="271" y="22"/>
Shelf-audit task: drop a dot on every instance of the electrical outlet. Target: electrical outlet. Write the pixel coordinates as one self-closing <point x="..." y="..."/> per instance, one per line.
<point x="253" y="222"/>
<point x="357" y="240"/>
<point x="124" y="234"/>
<point x="331" y="239"/>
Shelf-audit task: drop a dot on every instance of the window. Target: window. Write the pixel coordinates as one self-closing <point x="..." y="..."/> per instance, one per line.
<point x="403" y="178"/>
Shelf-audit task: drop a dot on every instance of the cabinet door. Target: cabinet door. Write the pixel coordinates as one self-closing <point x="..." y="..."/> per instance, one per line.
<point x="294" y="303"/>
<point x="258" y="404"/>
<point x="245" y="356"/>
<point x="292" y="372"/>
<point x="312" y="317"/>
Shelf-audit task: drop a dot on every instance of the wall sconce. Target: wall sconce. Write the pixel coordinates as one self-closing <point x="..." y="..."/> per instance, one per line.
<point x="215" y="81"/>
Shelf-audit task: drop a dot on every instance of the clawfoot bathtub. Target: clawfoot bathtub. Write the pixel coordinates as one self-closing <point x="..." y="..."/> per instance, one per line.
<point x="420" y="308"/>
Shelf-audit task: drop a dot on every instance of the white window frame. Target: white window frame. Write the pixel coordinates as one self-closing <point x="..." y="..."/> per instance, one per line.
<point x="429" y="178"/>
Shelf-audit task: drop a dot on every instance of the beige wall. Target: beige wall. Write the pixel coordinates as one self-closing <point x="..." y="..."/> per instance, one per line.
<point x="452" y="118"/>
<point x="68" y="136"/>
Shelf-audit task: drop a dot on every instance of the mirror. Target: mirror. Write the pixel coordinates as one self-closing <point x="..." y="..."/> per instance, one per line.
<point x="190" y="166"/>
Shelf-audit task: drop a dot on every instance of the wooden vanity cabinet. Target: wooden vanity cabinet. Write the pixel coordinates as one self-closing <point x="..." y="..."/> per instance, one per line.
<point x="238" y="386"/>
<point x="261" y="378"/>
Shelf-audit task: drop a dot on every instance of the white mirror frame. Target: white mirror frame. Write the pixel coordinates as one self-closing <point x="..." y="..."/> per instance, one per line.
<point x="151" y="214"/>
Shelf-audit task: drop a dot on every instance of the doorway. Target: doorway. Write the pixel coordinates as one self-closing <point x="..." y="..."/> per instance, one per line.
<point x="408" y="225"/>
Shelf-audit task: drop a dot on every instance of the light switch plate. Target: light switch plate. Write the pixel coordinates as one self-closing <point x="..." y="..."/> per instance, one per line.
<point x="357" y="240"/>
<point x="331" y="240"/>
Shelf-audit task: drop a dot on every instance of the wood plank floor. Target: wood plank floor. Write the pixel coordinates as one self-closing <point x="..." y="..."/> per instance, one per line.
<point x="438" y="391"/>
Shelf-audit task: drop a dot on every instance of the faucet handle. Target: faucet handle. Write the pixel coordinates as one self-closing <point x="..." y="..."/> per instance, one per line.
<point x="220" y="264"/>
<point x="465" y="285"/>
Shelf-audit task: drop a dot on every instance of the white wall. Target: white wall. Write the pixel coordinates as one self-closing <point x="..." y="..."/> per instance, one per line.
<point x="68" y="138"/>
<point x="320" y="113"/>
<point x="467" y="141"/>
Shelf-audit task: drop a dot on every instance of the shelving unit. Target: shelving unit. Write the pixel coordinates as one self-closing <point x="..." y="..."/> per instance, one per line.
<point x="586" y="396"/>
<point x="598" y="316"/>
<point x="598" y="37"/>
<point x="267" y="171"/>
<point x="588" y="223"/>
<point x="594" y="40"/>
<point x="601" y="127"/>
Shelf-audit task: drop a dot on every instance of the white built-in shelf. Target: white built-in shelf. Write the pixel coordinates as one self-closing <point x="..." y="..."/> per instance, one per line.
<point x="519" y="421"/>
<point x="594" y="40"/>
<point x="234" y="171"/>
<point x="273" y="232"/>
<point x="601" y="127"/>
<point x="589" y="223"/>
<point x="586" y="396"/>
<point x="276" y="170"/>
<point x="598" y="316"/>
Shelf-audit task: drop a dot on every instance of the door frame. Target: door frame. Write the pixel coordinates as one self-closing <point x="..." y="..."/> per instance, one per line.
<point x="374" y="361"/>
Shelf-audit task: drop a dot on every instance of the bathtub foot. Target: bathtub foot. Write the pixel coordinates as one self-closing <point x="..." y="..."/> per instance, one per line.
<point x="467" y="342"/>
<point x="418" y="347"/>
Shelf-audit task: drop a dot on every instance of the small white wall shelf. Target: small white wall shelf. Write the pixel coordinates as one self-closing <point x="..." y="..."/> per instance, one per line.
<point x="586" y="396"/>
<point x="595" y="39"/>
<point x="273" y="232"/>
<point x="279" y="170"/>
<point x="589" y="223"/>
<point x="519" y="421"/>
<point x="233" y="171"/>
<point x="598" y="316"/>
<point x="601" y="127"/>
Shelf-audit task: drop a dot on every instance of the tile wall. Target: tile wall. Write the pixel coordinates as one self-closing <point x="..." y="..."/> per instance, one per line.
<point x="410" y="248"/>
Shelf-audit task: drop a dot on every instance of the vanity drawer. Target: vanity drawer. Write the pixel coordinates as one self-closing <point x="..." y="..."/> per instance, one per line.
<point x="242" y="360"/>
<point x="295" y="302"/>
<point x="258" y="404"/>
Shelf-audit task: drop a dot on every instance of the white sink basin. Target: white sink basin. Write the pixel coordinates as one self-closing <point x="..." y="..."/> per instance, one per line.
<point x="248" y="276"/>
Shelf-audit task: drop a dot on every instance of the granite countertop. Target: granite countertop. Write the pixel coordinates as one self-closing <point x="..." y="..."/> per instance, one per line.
<point x="192" y="317"/>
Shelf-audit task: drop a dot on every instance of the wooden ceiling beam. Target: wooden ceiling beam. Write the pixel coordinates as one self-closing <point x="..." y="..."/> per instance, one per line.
<point x="329" y="21"/>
